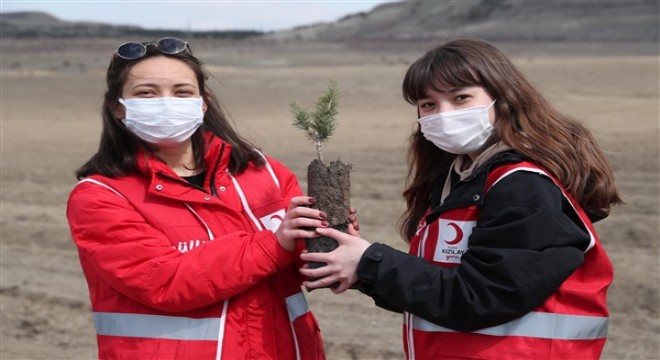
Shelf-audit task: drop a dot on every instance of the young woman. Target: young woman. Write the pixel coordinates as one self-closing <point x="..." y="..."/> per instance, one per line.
<point x="504" y="262"/>
<point x="181" y="225"/>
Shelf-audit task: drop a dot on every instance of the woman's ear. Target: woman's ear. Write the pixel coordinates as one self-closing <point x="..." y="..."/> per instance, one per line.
<point x="205" y="100"/>
<point x="119" y="111"/>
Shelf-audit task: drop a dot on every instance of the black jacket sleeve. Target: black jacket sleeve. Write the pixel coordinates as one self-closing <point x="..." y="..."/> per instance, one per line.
<point x="525" y="244"/>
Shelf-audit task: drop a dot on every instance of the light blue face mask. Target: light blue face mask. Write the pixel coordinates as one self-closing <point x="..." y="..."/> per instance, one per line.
<point x="164" y="121"/>
<point x="464" y="131"/>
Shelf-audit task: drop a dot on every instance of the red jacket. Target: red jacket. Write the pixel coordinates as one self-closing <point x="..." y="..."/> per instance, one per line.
<point x="176" y="272"/>
<point x="570" y="324"/>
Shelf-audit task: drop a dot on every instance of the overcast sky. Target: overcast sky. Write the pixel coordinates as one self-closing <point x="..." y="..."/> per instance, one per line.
<point x="264" y="15"/>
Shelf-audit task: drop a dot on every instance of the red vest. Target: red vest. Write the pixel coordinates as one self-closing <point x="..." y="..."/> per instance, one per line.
<point x="570" y="324"/>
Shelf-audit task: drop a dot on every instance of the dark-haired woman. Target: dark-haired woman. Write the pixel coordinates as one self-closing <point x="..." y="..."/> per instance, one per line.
<point x="504" y="262"/>
<point x="182" y="226"/>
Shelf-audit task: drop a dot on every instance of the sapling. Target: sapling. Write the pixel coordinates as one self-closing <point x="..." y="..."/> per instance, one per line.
<point x="320" y="124"/>
<point x="328" y="184"/>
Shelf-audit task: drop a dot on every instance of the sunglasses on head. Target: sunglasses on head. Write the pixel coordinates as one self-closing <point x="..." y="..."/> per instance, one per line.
<point x="135" y="50"/>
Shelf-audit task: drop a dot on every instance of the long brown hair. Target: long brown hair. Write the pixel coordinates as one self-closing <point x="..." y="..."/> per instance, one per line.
<point x="118" y="147"/>
<point x="526" y="121"/>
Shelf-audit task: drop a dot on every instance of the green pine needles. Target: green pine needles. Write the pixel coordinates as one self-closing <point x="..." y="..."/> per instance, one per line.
<point x="320" y="124"/>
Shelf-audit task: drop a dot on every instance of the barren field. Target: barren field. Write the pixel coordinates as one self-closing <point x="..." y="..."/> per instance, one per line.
<point x="50" y="98"/>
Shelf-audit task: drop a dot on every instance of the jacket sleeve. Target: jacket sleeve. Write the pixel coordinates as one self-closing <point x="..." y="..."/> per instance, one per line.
<point x="120" y="249"/>
<point x="289" y="185"/>
<point x="290" y="188"/>
<point x="524" y="246"/>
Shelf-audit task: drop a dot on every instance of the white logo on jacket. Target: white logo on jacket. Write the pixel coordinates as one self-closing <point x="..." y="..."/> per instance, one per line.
<point x="273" y="221"/>
<point x="185" y="246"/>
<point x="452" y="240"/>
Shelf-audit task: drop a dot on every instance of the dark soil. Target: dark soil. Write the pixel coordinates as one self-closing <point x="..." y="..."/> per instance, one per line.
<point x="330" y="185"/>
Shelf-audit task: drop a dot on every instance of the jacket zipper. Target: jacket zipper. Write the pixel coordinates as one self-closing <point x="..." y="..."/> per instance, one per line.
<point x="214" y="192"/>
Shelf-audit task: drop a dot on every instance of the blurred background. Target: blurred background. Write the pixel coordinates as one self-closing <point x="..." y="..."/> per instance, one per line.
<point x="596" y="60"/>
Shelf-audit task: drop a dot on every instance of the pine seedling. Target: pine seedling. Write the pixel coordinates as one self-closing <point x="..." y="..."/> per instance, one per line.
<point x="320" y="124"/>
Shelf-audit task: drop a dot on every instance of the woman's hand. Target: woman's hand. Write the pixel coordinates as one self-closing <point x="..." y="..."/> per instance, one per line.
<point x="341" y="263"/>
<point x="353" y="225"/>
<point x="299" y="222"/>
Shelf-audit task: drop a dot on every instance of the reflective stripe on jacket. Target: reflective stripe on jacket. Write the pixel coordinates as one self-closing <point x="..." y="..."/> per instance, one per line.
<point x="176" y="271"/>
<point x="570" y="324"/>
<point x="176" y="327"/>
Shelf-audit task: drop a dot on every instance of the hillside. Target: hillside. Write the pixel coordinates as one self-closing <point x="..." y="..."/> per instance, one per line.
<point x="30" y="25"/>
<point x="497" y="20"/>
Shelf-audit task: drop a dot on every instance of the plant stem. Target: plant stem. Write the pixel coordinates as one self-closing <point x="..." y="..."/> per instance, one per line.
<point x="318" y="150"/>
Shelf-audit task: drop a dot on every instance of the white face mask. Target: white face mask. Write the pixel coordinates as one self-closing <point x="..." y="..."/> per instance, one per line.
<point x="463" y="131"/>
<point x="165" y="121"/>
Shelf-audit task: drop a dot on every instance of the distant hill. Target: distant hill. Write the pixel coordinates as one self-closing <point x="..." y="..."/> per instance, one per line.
<point x="496" y="20"/>
<point x="23" y="25"/>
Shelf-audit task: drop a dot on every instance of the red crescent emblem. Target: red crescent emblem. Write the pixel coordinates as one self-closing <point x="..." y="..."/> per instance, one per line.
<point x="277" y="217"/>
<point x="459" y="234"/>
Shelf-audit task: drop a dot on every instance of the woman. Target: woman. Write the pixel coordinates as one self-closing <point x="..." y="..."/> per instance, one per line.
<point x="180" y="223"/>
<point x="504" y="262"/>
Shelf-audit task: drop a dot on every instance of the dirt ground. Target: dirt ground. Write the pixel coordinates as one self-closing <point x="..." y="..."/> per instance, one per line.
<point x="50" y="98"/>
